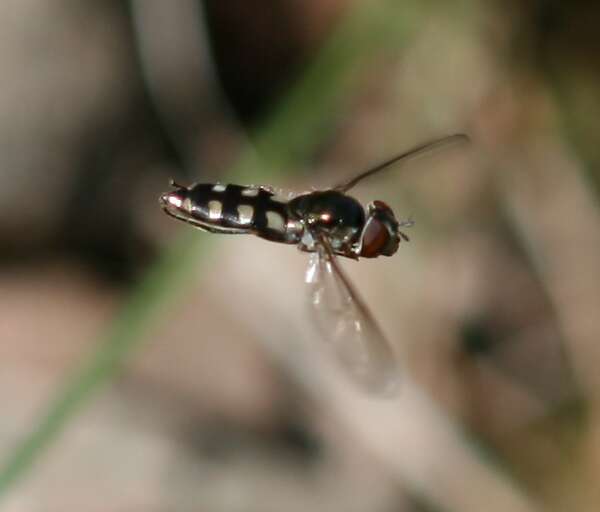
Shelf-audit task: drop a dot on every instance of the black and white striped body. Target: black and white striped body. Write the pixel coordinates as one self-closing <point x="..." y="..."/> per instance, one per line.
<point x="308" y="220"/>
<point x="235" y="209"/>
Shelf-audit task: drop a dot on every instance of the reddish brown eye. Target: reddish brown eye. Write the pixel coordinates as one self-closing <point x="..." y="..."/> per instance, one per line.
<point x="375" y="237"/>
<point x="380" y="205"/>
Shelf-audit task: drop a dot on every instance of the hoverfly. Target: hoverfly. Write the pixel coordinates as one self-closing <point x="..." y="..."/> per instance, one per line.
<point x="326" y="224"/>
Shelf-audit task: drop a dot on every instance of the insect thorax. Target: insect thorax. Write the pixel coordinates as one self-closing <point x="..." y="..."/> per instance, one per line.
<point x="340" y="217"/>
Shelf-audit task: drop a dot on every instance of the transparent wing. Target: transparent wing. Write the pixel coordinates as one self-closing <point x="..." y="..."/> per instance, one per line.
<point x="347" y="326"/>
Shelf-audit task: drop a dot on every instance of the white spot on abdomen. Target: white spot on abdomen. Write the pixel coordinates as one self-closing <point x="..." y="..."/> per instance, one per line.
<point x="215" y="208"/>
<point x="250" y="192"/>
<point x="275" y="221"/>
<point x="174" y="201"/>
<point x="280" y="198"/>
<point x="281" y="195"/>
<point x="219" y="187"/>
<point x="245" y="213"/>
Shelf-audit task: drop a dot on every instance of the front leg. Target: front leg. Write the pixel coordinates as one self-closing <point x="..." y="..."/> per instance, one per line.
<point x="347" y="250"/>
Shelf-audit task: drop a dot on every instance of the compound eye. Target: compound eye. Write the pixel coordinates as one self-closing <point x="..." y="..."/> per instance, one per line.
<point x="375" y="237"/>
<point x="380" y="205"/>
<point x="381" y="210"/>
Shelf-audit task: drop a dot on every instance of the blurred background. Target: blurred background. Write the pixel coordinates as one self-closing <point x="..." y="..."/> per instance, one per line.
<point x="148" y="366"/>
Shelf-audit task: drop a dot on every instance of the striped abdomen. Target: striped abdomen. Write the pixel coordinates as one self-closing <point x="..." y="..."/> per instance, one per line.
<point x="236" y="209"/>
